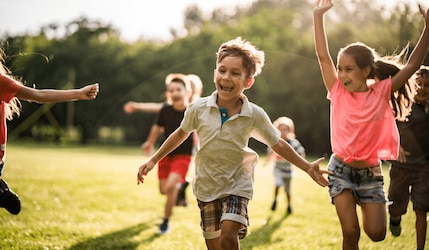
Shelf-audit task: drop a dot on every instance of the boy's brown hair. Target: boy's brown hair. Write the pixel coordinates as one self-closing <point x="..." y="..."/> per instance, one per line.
<point x="253" y="58"/>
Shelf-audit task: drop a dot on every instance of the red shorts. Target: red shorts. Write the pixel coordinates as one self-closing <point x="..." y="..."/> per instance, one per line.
<point x="174" y="164"/>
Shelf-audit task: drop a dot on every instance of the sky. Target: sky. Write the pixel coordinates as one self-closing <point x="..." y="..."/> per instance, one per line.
<point x="132" y="18"/>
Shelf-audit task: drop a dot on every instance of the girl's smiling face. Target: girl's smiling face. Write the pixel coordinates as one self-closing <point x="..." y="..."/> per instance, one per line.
<point x="351" y="76"/>
<point x="231" y="79"/>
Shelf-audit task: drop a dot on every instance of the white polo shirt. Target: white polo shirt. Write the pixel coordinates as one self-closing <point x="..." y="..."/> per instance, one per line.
<point x="224" y="164"/>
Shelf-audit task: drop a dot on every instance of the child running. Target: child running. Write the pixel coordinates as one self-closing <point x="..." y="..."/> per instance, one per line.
<point x="282" y="168"/>
<point x="224" y="164"/>
<point x="172" y="168"/>
<point x="155" y="108"/>
<point x="11" y="90"/>
<point x="409" y="175"/>
<point x="363" y="129"/>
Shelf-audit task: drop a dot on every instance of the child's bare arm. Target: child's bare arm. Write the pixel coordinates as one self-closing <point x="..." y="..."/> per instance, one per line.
<point x="172" y="142"/>
<point x="416" y="58"/>
<point x="326" y="64"/>
<point x="88" y="92"/>
<point x="149" y="144"/>
<point x="147" y="107"/>
<point x="286" y="151"/>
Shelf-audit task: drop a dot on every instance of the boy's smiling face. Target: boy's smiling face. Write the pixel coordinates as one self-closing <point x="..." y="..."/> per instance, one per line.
<point x="231" y="79"/>
<point x="176" y="91"/>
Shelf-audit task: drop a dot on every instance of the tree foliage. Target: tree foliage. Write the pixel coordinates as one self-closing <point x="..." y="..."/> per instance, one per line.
<point x="290" y="83"/>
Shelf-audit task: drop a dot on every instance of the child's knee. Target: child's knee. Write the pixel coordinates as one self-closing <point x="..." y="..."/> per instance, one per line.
<point x="376" y="234"/>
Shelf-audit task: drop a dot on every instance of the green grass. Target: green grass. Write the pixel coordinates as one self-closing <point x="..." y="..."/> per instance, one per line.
<point x="87" y="198"/>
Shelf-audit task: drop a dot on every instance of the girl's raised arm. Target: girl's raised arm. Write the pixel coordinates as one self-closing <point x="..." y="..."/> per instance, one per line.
<point x="327" y="66"/>
<point x="416" y="58"/>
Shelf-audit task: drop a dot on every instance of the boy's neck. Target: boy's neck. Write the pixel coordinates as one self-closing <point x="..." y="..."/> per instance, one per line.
<point x="179" y="105"/>
<point x="232" y="106"/>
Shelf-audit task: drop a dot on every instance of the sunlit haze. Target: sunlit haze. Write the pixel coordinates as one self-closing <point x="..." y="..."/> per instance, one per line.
<point x="133" y="18"/>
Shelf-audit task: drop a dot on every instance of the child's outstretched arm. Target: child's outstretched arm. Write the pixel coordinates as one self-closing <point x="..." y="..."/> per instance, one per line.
<point x="172" y="142"/>
<point x="149" y="144"/>
<point x="88" y="92"/>
<point x="286" y="151"/>
<point x="147" y="107"/>
<point x="416" y="58"/>
<point x="326" y="64"/>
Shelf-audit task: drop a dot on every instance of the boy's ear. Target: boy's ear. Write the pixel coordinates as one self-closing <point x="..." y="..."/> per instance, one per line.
<point x="249" y="82"/>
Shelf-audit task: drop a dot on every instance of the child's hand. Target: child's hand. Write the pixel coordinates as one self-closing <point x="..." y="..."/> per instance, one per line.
<point x="402" y="155"/>
<point x="129" y="107"/>
<point x="317" y="174"/>
<point x="323" y="6"/>
<point x="425" y="14"/>
<point x="143" y="170"/>
<point x="147" y="148"/>
<point x="89" y="92"/>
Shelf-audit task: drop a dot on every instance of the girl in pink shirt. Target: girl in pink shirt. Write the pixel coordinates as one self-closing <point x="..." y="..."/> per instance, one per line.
<point x="11" y="91"/>
<point x="363" y="129"/>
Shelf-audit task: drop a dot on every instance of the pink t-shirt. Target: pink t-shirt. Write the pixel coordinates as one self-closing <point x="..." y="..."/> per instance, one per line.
<point x="8" y="90"/>
<point x="362" y="124"/>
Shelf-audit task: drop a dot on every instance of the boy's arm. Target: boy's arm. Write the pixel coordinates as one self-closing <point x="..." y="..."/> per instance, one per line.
<point x="326" y="64"/>
<point x="269" y="158"/>
<point x="286" y="151"/>
<point x="88" y="92"/>
<point x="147" y="107"/>
<point x="148" y="145"/>
<point x="416" y="58"/>
<point x="172" y="142"/>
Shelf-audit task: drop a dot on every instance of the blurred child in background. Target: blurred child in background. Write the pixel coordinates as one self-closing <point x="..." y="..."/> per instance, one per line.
<point x="173" y="167"/>
<point x="155" y="108"/>
<point x="283" y="168"/>
<point x="409" y="175"/>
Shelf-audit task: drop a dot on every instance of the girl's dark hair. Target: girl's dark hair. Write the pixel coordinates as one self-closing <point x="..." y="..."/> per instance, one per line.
<point x="402" y="99"/>
<point x="382" y="68"/>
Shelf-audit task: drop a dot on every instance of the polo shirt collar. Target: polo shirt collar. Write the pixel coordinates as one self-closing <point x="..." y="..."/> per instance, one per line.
<point x="245" y="109"/>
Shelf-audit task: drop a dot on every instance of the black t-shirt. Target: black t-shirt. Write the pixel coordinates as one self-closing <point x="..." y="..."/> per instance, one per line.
<point x="415" y="139"/>
<point x="170" y="120"/>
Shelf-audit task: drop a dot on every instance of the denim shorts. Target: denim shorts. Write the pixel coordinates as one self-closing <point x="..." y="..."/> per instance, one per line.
<point x="366" y="184"/>
<point x="231" y="207"/>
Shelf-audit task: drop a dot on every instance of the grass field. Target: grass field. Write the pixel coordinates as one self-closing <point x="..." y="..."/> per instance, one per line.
<point x="87" y="198"/>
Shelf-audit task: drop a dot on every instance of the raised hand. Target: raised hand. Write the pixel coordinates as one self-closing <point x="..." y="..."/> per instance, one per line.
<point x="323" y="6"/>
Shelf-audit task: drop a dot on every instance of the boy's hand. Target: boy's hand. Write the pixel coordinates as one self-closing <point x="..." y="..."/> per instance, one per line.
<point x="143" y="170"/>
<point x="129" y="107"/>
<point x="317" y="174"/>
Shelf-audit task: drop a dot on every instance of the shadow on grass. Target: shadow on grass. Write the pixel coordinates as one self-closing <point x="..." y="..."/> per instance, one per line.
<point x="122" y="239"/>
<point x="262" y="235"/>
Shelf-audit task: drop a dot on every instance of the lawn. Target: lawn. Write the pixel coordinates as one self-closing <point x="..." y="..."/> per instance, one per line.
<point x="76" y="197"/>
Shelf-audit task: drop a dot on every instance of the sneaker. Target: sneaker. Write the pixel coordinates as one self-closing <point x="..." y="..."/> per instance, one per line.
<point x="289" y="209"/>
<point x="273" y="207"/>
<point x="8" y="199"/>
<point x="242" y="233"/>
<point x="163" y="228"/>
<point x="395" y="227"/>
